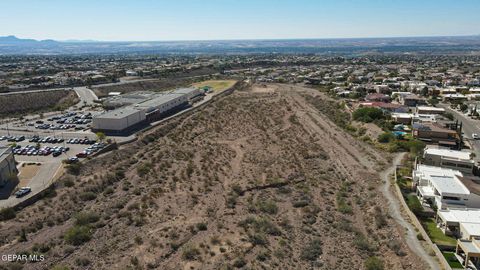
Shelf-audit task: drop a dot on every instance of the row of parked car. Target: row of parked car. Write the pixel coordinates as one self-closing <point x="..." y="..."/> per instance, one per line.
<point x="91" y="149"/>
<point x="80" y="141"/>
<point x="48" y="139"/>
<point x="33" y="150"/>
<point x="57" y="127"/>
<point x="12" y="138"/>
<point x="72" y="118"/>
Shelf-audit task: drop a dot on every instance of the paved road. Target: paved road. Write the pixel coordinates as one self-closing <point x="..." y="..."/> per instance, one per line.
<point x="86" y="95"/>
<point x="394" y="207"/>
<point x="470" y="126"/>
<point x="39" y="182"/>
<point x="34" y="91"/>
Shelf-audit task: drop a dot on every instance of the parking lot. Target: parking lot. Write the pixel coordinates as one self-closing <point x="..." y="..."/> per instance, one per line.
<point x="48" y="154"/>
<point x="70" y="121"/>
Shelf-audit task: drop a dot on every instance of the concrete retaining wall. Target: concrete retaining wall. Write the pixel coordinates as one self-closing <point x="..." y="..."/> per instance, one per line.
<point x="414" y="220"/>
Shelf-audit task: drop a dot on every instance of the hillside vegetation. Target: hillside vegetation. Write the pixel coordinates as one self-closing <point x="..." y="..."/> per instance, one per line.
<point x="253" y="180"/>
<point x="18" y="104"/>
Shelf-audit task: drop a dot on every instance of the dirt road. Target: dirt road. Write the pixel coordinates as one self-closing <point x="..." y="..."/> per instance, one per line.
<point x="394" y="207"/>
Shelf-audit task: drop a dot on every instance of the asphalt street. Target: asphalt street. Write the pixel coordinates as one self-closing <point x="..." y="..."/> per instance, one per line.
<point x="469" y="127"/>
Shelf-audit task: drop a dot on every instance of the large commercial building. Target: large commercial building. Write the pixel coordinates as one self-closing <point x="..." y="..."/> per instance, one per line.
<point x="143" y="109"/>
<point x="7" y="165"/>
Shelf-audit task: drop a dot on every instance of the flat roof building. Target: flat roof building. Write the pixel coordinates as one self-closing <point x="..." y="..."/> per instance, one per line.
<point x="444" y="188"/>
<point x="141" y="109"/>
<point x="452" y="159"/>
<point x="429" y="110"/>
<point x="461" y="223"/>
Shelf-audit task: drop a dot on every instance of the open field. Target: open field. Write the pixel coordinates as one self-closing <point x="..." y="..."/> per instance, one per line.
<point x="216" y="85"/>
<point x="257" y="180"/>
<point x="150" y="85"/>
<point x="25" y="103"/>
<point x="169" y="81"/>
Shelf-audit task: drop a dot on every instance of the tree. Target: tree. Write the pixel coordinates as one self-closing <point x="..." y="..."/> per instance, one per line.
<point x="449" y="116"/>
<point x="386" y="137"/>
<point x="78" y="235"/>
<point x="424" y="91"/>
<point x="368" y="114"/>
<point x="433" y="101"/>
<point x="100" y="136"/>
<point x="374" y="263"/>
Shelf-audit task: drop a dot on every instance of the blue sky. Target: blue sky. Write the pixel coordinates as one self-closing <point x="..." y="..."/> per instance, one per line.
<point x="236" y="19"/>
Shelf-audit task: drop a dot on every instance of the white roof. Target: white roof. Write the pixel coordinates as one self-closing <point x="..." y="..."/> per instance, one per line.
<point x="448" y="153"/>
<point x="461" y="215"/>
<point x="426" y="191"/>
<point x="449" y="185"/>
<point x="473" y="229"/>
<point x="454" y="95"/>
<point x="443" y="180"/>
<point x="402" y="115"/>
<point x="428" y="108"/>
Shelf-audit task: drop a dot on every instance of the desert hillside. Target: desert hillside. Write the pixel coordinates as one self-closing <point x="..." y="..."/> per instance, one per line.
<point x="259" y="179"/>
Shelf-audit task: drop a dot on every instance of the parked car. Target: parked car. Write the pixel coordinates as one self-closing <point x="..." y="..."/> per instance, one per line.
<point x="22" y="192"/>
<point x="72" y="160"/>
<point x="82" y="155"/>
<point x="475" y="136"/>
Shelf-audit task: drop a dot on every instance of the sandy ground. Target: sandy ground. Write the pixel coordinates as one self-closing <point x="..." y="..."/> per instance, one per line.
<point x="26" y="173"/>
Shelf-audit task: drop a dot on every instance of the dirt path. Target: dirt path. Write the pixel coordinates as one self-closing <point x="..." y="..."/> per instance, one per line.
<point x="394" y="207"/>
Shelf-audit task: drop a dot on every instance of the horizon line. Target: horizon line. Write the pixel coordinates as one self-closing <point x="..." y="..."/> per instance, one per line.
<point x="73" y="40"/>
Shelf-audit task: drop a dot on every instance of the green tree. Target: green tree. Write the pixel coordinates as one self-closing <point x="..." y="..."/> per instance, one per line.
<point x="385" y="137"/>
<point x="374" y="263"/>
<point x="100" y="136"/>
<point x="78" y="235"/>
<point x="368" y="114"/>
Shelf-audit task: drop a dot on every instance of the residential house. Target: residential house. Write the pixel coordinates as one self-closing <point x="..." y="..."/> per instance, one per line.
<point x="412" y="100"/>
<point x="461" y="223"/>
<point x="386" y="107"/>
<point x="445" y="188"/>
<point x="435" y="133"/>
<point x="383" y="89"/>
<point x="454" y="97"/>
<point x="377" y="97"/>
<point x="468" y="253"/>
<point x="451" y="159"/>
<point x="429" y="110"/>
<point x="402" y="118"/>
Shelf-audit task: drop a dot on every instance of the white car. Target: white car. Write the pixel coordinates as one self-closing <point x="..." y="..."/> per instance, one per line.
<point x="475" y="136"/>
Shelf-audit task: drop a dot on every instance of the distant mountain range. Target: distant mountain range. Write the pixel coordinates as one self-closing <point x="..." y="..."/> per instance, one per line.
<point x="21" y="41"/>
<point x="10" y="45"/>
